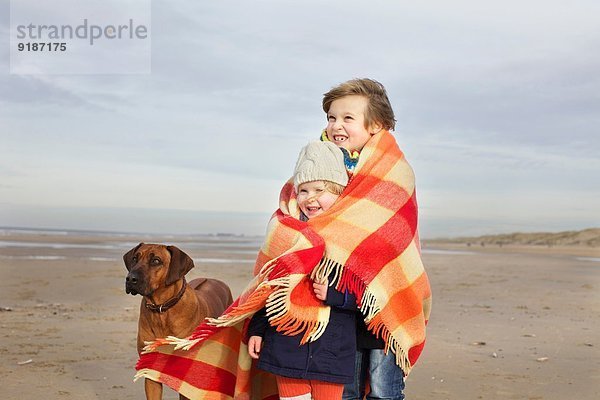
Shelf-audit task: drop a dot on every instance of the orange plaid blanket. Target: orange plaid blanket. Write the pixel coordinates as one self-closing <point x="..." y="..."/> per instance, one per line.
<point x="367" y="240"/>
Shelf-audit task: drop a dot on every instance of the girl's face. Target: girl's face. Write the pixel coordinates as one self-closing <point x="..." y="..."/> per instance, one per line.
<point x="346" y="123"/>
<point x="314" y="199"/>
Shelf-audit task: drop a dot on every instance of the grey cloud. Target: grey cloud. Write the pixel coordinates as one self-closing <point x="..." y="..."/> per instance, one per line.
<point x="549" y="108"/>
<point x="31" y="90"/>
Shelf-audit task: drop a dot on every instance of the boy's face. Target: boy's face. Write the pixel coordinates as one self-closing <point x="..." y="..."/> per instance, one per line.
<point x="313" y="199"/>
<point x="346" y="123"/>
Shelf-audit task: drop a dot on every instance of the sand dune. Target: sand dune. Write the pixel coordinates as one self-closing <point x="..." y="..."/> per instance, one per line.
<point x="586" y="237"/>
<point x="583" y="242"/>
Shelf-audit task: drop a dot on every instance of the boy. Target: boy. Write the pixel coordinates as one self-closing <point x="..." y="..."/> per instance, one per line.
<point x="319" y="368"/>
<point x="356" y="110"/>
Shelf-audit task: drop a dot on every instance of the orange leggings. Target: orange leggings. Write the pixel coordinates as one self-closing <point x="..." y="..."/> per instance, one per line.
<point x="290" y="388"/>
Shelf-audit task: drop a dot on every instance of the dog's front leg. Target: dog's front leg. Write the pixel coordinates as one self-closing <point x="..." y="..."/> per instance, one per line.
<point x="153" y="390"/>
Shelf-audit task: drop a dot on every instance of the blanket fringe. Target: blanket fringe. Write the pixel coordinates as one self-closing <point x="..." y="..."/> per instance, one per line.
<point x="278" y="311"/>
<point x="254" y="302"/>
<point x="344" y="279"/>
<point x="325" y="268"/>
<point x="369" y="307"/>
<point x="272" y="275"/>
<point x="178" y="343"/>
<point x="401" y="355"/>
<point x="144" y="373"/>
<point x="371" y="311"/>
<point x="293" y="326"/>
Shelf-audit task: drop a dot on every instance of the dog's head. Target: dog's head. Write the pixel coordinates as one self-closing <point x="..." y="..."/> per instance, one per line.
<point x="153" y="266"/>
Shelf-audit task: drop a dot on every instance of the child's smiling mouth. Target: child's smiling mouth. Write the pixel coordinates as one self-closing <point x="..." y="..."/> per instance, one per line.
<point x="313" y="209"/>
<point x="339" y="138"/>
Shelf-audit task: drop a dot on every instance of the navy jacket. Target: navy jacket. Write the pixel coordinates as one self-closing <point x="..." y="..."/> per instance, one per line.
<point x="330" y="358"/>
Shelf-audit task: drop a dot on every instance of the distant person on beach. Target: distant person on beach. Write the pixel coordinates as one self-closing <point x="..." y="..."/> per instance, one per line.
<point x="360" y="113"/>
<point x="315" y="368"/>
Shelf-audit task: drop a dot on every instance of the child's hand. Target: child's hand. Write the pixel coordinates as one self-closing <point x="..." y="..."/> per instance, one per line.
<point x="320" y="290"/>
<point x="254" y="345"/>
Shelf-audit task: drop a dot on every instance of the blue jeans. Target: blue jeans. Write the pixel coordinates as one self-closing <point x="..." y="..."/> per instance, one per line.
<point x="385" y="377"/>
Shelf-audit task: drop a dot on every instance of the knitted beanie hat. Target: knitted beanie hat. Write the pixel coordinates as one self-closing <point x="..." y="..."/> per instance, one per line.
<point x="320" y="161"/>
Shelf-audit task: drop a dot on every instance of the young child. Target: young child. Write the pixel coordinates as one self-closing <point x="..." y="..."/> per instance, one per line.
<point x="322" y="367"/>
<point x="356" y="110"/>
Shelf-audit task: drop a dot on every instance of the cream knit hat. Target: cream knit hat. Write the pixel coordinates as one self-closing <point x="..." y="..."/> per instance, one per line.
<point x="320" y="161"/>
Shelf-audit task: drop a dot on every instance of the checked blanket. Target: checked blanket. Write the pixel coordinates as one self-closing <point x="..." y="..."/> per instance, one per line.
<point x="367" y="241"/>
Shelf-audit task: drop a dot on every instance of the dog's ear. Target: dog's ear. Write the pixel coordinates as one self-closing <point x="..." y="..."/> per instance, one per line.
<point x="180" y="265"/>
<point x="128" y="257"/>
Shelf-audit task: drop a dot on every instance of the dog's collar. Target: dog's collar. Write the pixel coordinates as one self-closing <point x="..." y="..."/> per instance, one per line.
<point x="161" y="308"/>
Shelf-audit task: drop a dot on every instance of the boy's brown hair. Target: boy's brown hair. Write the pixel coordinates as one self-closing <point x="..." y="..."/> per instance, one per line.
<point x="379" y="108"/>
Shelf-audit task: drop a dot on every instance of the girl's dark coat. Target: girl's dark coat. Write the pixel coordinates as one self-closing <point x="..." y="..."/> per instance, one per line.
<point x="331" y="358"/>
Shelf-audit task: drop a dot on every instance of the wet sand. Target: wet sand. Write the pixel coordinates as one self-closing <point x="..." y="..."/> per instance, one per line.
<point x="507" y="323"/>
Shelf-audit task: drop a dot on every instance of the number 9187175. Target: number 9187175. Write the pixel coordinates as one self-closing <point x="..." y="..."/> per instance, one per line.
<point x="42" y="46"/>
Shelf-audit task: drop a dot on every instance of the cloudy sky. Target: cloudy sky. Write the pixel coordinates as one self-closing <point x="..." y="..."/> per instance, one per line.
<point x="498" y="108"/>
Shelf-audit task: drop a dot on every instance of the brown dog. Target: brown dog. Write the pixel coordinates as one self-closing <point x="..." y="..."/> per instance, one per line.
<point x="170" y="306"/>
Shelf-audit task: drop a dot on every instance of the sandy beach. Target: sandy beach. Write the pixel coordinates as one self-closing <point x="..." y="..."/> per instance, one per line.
<point x="511" y="322"/>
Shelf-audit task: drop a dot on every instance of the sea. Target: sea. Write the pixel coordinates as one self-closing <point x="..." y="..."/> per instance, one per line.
<point x="106" y="246"/>
<point x="55" y="244"/>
